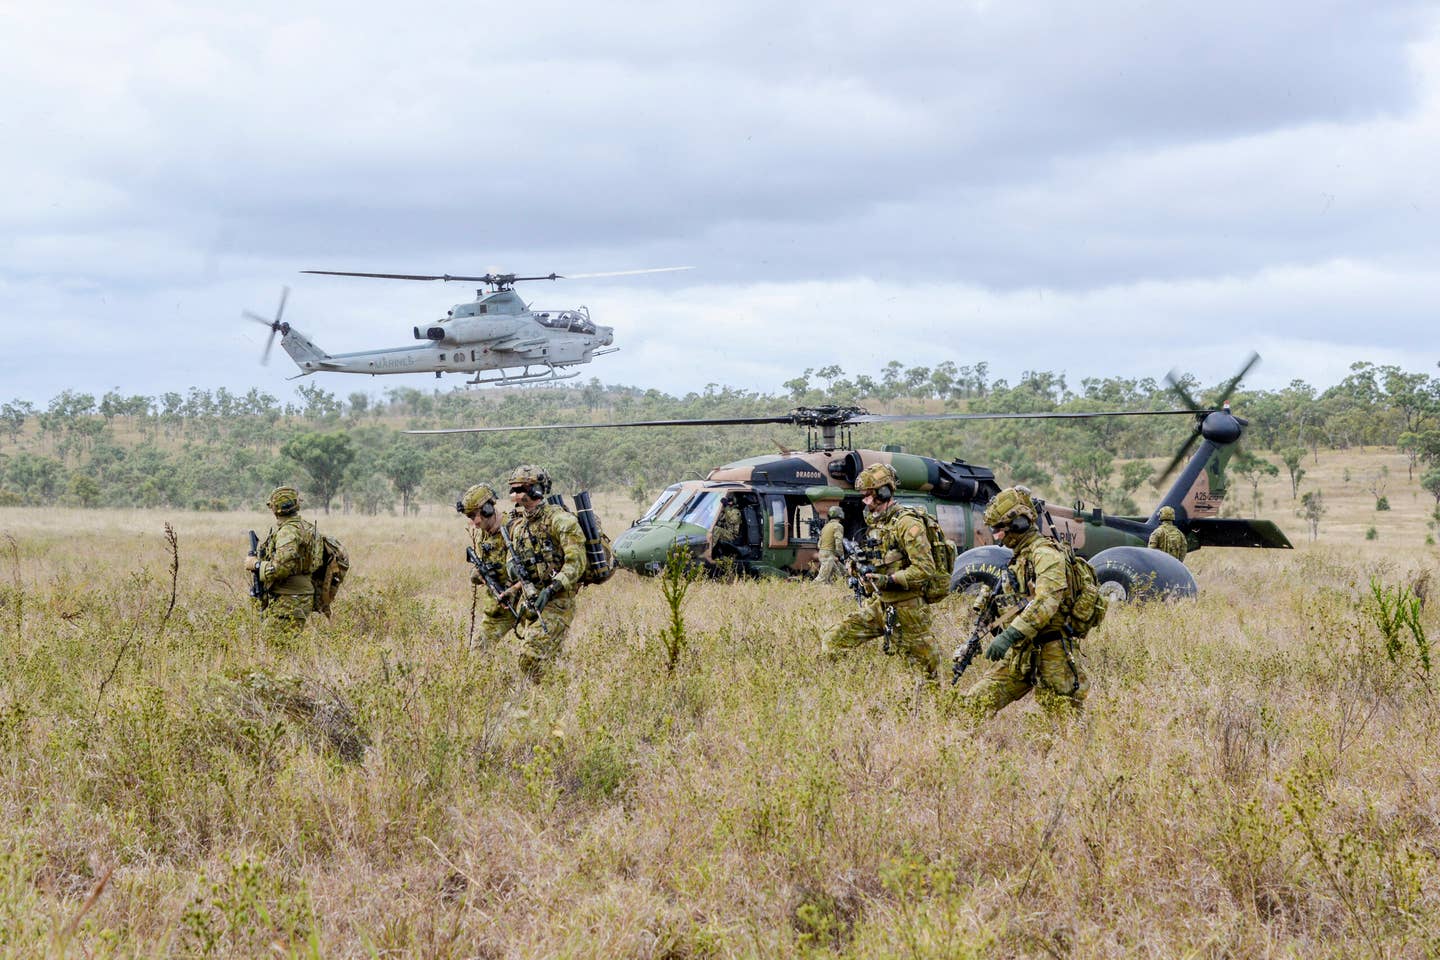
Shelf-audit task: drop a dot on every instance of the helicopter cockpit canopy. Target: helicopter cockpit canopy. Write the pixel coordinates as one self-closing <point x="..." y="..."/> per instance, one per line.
<point x="571" y="320"/>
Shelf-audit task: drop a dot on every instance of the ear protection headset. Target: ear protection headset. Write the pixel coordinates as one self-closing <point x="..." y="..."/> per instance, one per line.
<point x="1020" y="523"/>
<point x="884" y="492"/>
<point x="486" y="509"/>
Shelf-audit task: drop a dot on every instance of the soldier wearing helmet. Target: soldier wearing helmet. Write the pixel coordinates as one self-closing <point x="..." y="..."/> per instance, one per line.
<point x="548" y="548"/>
<point x="894" y="606"/>
<point x="726" y="528"/>
<point x="1168" y="537"/>
<point x="832" y="537"/>
<point x="480" y="505"/>
<point x="1034" y="648"/>
<point x="290" y="553"/>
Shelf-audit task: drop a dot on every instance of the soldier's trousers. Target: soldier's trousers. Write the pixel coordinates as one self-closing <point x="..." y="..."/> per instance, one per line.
<point x="544" y="636"/>
<point x="492" y="625"/>
<point x="829" y="568"/>
<point x="1043" y="664"/>
<point x="911" y="636"/>
<point x="284" y="617"/>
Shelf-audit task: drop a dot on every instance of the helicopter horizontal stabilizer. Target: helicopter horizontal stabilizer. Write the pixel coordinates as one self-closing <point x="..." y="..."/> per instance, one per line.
<point x="1233" y="532"/>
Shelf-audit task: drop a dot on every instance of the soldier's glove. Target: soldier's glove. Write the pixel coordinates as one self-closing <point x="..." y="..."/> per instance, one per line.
<point x="1001" y="645"/>
<point x="543" y="597"/>
<point x="475" y="578"/>
<point x="881" y="581"/>
<point x="251" y="562"/>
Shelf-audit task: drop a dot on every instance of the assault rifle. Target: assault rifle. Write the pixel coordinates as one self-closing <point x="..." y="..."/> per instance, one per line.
<point x="523" y="574"/>
<point x="490" y="576"/>
<point x="860" y="559"/>
<point x="257" y="589"/>
<point x="994" y="609"/>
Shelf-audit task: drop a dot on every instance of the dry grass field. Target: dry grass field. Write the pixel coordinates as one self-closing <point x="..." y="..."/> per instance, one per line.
<point x="1256" y="773"/>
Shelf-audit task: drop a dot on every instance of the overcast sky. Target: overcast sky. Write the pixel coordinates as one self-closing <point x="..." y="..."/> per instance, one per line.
<point x="1098" y="188"/>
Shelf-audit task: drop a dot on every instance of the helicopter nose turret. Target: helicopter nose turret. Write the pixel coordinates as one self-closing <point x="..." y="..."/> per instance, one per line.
<point x="606" y="335"/>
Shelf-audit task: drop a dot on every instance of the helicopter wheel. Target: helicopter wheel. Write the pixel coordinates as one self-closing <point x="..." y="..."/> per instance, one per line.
<point x="979" y="567"/>
<point x="1139" y="574"/>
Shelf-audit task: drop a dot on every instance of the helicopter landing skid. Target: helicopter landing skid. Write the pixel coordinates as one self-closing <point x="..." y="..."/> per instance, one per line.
<point x="550" y="373"/>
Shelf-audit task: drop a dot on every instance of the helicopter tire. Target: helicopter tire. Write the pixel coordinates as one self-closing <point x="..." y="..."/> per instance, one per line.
<point x="979" y="567"/>
<point x="1139" y="574"/>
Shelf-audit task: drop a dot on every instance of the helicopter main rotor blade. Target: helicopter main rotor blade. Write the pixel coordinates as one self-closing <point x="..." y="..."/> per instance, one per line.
<point x="1050" y="415"/>
<point x="621" y="273"/>
<point x="800" y="419"/>
<point x="718" y="421"/>
<point x="398" y="276"/>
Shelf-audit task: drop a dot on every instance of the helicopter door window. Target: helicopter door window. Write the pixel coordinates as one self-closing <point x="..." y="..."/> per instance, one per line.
<point x="805" y="522"/>
<point x="779" y="529"/>
<point x="954" y="521"/>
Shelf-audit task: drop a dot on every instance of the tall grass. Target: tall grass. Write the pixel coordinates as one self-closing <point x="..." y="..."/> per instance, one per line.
<point x="1255" y="773"/>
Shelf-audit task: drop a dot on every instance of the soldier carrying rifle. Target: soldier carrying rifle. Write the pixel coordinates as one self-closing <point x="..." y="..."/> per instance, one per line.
<point x="890" y="583"/>
<point x="488" y="555"/>
<point x="1039" y="645"/>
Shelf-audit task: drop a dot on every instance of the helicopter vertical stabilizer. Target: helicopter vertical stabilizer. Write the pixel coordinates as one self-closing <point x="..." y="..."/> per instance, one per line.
<point x="303" y="351"/>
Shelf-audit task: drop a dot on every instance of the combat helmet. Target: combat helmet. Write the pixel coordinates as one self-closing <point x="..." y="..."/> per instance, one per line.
<point x="532" y="478"/>
<point x="877" y="475"/>
<point x="474" y="498"/>
<point x="1167" y="514"/>
<point x="284" y="501"/>
<point x="835" y="513"/>
<point x="1008" y="504"/>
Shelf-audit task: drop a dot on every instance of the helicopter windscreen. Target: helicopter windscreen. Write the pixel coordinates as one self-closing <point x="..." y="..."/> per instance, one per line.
<point x="664" y="500"/>
<point x="701" y="510"/>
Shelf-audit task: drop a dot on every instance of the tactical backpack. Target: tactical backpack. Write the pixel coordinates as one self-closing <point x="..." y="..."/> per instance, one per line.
<point x="937" y="587"/>
<point x="327" y="577"/>
<point x="1084" y="605"/>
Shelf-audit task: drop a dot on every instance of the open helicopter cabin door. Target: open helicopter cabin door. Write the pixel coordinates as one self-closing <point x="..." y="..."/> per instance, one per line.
<point x="778" y="518"/>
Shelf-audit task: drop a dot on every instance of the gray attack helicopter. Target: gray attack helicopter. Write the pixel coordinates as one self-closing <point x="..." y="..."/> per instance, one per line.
<point x="497" y="331"/>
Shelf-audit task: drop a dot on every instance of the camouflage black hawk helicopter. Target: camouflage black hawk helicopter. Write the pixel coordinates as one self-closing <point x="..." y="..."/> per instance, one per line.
<point x="783" y="499"/>
<point x="496" y="331"/>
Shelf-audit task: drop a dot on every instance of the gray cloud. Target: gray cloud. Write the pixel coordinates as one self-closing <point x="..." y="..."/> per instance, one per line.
<point x="1124" y="172"/>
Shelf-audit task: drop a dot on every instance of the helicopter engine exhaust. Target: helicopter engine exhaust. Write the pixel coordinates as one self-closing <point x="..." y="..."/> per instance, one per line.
<point x="430" y="333"/>
<point x="957" y="481"/>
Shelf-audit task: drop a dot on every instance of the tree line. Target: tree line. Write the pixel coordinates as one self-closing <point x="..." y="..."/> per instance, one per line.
<point x="218" y="450"/>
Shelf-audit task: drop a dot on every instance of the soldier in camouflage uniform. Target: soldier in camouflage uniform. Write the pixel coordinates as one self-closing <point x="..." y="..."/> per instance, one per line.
<point x="291" y="552"/>
<point x="549" y="547"/>
<point x="1168" y="537"/>
<point x="1034" y="647"/>
<point x="895" y="588"/>
<point x="830" y="545"/>
<point x="726" y="528"/>
<point x="478" y="504"/>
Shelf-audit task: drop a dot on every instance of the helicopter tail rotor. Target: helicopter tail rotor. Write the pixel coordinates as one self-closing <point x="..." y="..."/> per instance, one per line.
<point x="278" y="325"/>
<point x="1216" y="423"/>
